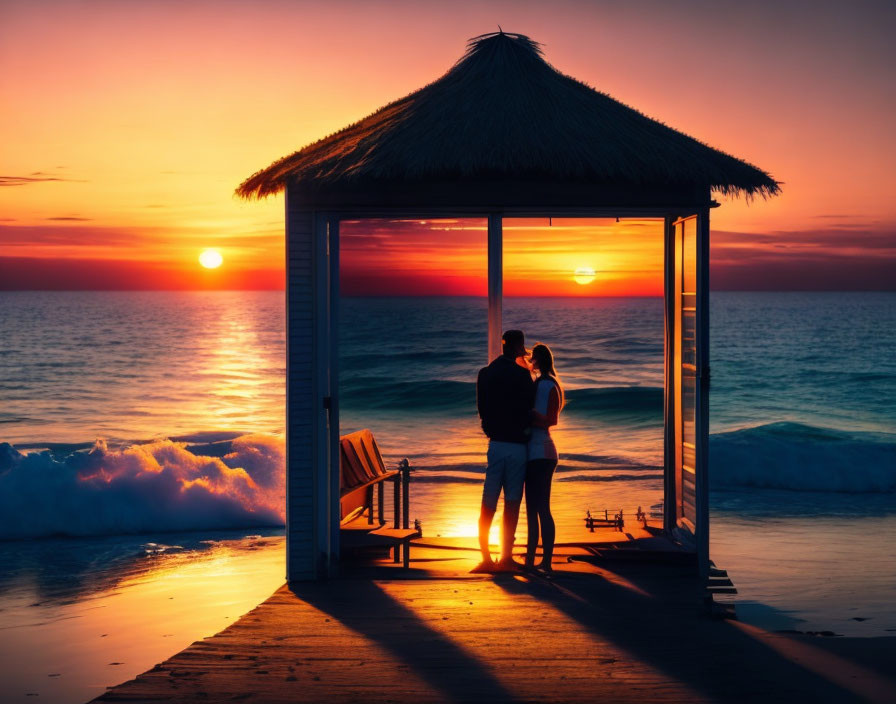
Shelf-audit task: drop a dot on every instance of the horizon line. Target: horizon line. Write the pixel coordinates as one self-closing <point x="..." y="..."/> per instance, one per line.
<point x="428" y="295"/>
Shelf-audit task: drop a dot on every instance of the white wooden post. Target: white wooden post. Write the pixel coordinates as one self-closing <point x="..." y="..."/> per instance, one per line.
<point x="333" y="418"/>
<point x="325" y="505"/>
<point x="312" y="486"/>
<point x="300" y="393"/>
<point x="495" y="285"/>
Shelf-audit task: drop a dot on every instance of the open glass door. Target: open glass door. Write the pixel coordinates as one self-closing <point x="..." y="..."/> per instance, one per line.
<point x="689" y="402"/>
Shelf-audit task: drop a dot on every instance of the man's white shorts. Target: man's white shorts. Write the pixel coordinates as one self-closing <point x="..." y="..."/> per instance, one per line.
<point x="506" y="470"/>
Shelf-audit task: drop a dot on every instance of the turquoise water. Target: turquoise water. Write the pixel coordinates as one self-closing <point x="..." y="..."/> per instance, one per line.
<point x="185" y="393"/>
<point x="801" y="395"/>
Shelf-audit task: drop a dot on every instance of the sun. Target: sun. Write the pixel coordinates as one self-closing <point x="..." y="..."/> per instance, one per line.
<point x="584" y="275"/>
<point x="211" y="258"/>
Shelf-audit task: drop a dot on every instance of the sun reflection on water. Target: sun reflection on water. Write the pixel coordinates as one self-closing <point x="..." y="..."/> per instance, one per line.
<point x="114" y="620"/>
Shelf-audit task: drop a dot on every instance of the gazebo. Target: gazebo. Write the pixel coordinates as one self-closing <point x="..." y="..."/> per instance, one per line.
<point x="501" y="134"/>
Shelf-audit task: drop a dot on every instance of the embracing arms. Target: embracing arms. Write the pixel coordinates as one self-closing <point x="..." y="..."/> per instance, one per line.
<point x="546" y="420"/>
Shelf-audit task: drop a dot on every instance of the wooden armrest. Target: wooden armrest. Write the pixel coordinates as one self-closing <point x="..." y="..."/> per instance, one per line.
<point x="376" y="480"/>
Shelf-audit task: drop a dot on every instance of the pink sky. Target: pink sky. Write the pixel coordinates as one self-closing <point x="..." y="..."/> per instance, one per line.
<point x="128" y="125"/>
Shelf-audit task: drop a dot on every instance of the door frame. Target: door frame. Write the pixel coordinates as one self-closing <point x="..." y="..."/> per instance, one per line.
<point x="693" y="535"/>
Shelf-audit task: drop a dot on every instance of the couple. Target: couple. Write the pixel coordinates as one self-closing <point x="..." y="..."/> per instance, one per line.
<point x="516" y="414"/>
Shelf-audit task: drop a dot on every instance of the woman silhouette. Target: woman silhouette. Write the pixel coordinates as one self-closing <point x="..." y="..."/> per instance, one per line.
<point x="542" y="458"/>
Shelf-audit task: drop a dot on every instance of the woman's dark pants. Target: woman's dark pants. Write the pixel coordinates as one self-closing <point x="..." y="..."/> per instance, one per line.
<point x="539" y="474"/>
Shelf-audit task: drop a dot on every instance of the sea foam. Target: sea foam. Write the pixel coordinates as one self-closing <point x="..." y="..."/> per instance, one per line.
<point x="170" y="485"/>
<point x="161" y="485"/>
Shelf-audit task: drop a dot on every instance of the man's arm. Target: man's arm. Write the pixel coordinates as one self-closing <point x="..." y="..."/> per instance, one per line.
<point x="530" y="400"/>
<point x="482" y="398"/>
<point x="525" y="398"/>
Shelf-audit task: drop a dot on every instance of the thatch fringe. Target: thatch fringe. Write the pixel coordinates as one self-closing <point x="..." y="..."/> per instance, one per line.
<point x="503" y="112"/>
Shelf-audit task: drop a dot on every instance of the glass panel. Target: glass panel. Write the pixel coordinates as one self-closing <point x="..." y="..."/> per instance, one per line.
<point x="689" y="246"/>
<point x="688" y="406"/>
<point x="689" y="329"/>
<point x="686" y="365"/>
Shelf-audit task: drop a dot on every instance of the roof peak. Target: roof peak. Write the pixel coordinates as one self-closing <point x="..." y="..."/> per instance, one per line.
<point x="502" y="112"/>
<point x="490" y="39"/>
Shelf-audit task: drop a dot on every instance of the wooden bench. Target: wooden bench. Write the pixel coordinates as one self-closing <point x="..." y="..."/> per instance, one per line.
<point x="617" y="521"/>
<point x="361" y="471"/>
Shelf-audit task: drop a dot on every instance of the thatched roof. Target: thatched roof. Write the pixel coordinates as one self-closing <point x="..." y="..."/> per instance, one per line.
<point x="503" y="113"/>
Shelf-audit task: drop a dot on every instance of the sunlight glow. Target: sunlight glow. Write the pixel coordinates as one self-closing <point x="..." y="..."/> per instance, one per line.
<point x="211" y="258"/>
<point x="584" y="275"/>
<point x="139" y="220"/>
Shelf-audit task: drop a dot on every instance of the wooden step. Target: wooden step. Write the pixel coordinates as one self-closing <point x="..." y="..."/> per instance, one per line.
<point x="360" y="535"/>
<point x="396" y="533"/>
<point x="719" y="582"/>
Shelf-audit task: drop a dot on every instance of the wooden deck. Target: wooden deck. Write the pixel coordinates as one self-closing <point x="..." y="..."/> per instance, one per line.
<point x="622" y="631"/>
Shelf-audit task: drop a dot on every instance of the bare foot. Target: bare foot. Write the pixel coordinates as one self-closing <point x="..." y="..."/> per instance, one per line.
<point x="508" y="564"/>
<point x="485" y="567"/>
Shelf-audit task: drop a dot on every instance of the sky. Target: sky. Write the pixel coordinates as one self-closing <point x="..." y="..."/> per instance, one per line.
<point x="127" y="126"/>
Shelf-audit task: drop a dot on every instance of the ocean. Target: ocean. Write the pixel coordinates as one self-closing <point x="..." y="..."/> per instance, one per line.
<point x="141" y="436"/>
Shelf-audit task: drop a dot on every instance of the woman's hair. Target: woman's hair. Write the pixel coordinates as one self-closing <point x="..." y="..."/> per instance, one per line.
<point x="544" y="359"/>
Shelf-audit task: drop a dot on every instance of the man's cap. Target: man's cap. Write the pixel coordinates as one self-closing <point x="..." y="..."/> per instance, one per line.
<point x="513" y="337"/>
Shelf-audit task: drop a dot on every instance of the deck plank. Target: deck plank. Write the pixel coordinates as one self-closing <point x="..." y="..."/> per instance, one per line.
<point x="620" y="633"/>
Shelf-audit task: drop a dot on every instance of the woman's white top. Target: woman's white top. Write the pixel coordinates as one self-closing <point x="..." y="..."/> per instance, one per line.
<point x="541" y="445"/>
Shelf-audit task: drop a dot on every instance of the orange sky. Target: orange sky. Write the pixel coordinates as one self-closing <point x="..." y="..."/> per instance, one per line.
<point x="450" y="257"/>
<point x="127" y="125"/>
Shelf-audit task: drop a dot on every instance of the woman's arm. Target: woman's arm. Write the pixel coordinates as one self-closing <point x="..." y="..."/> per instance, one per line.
<point x="542" y="420"/>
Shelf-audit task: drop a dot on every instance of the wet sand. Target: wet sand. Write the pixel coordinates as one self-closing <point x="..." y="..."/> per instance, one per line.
<point x="74" y="618"/>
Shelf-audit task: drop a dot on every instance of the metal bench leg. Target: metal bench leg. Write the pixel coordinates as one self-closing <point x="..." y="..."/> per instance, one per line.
<point x="380" y="490"/>
<point x="407" y="554"/>
<point x="395" y="557"/>
<point x="405" y="496"/>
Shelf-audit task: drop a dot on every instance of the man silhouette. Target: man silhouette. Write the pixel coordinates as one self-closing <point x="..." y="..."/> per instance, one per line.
<point x="505" y="393"/>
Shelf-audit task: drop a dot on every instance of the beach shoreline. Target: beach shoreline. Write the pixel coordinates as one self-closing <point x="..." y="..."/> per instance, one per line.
<point x="82" y="614"/>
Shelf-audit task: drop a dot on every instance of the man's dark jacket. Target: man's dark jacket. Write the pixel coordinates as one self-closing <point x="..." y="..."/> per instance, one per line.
<point x="505" y="393"/>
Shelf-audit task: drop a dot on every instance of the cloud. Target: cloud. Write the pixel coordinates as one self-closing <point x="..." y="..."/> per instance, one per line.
<point x="835" y="242"/>
<point x="838" y="258"/>
<point x="27" y="180"/>
<point x="71" y="237"/>
<point x="821" y="272"/>
<point x="82" y="274"/>
<point x="30" y="238"/>
<point x="35" y="177"/>
<point x="70" y="217"/>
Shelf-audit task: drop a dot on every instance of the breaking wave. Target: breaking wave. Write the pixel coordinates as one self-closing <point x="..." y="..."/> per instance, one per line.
<point x="156" y="486"/>
<point x="217" y="481"/>
<point x="621" y="402"/>
<point x="801" y="457"/>
<point x="441" y="395"/>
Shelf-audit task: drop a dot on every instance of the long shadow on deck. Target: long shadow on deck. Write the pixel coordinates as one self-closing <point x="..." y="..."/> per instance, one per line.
<point x="407" y="637"/>
<point x="663" y="627"/>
